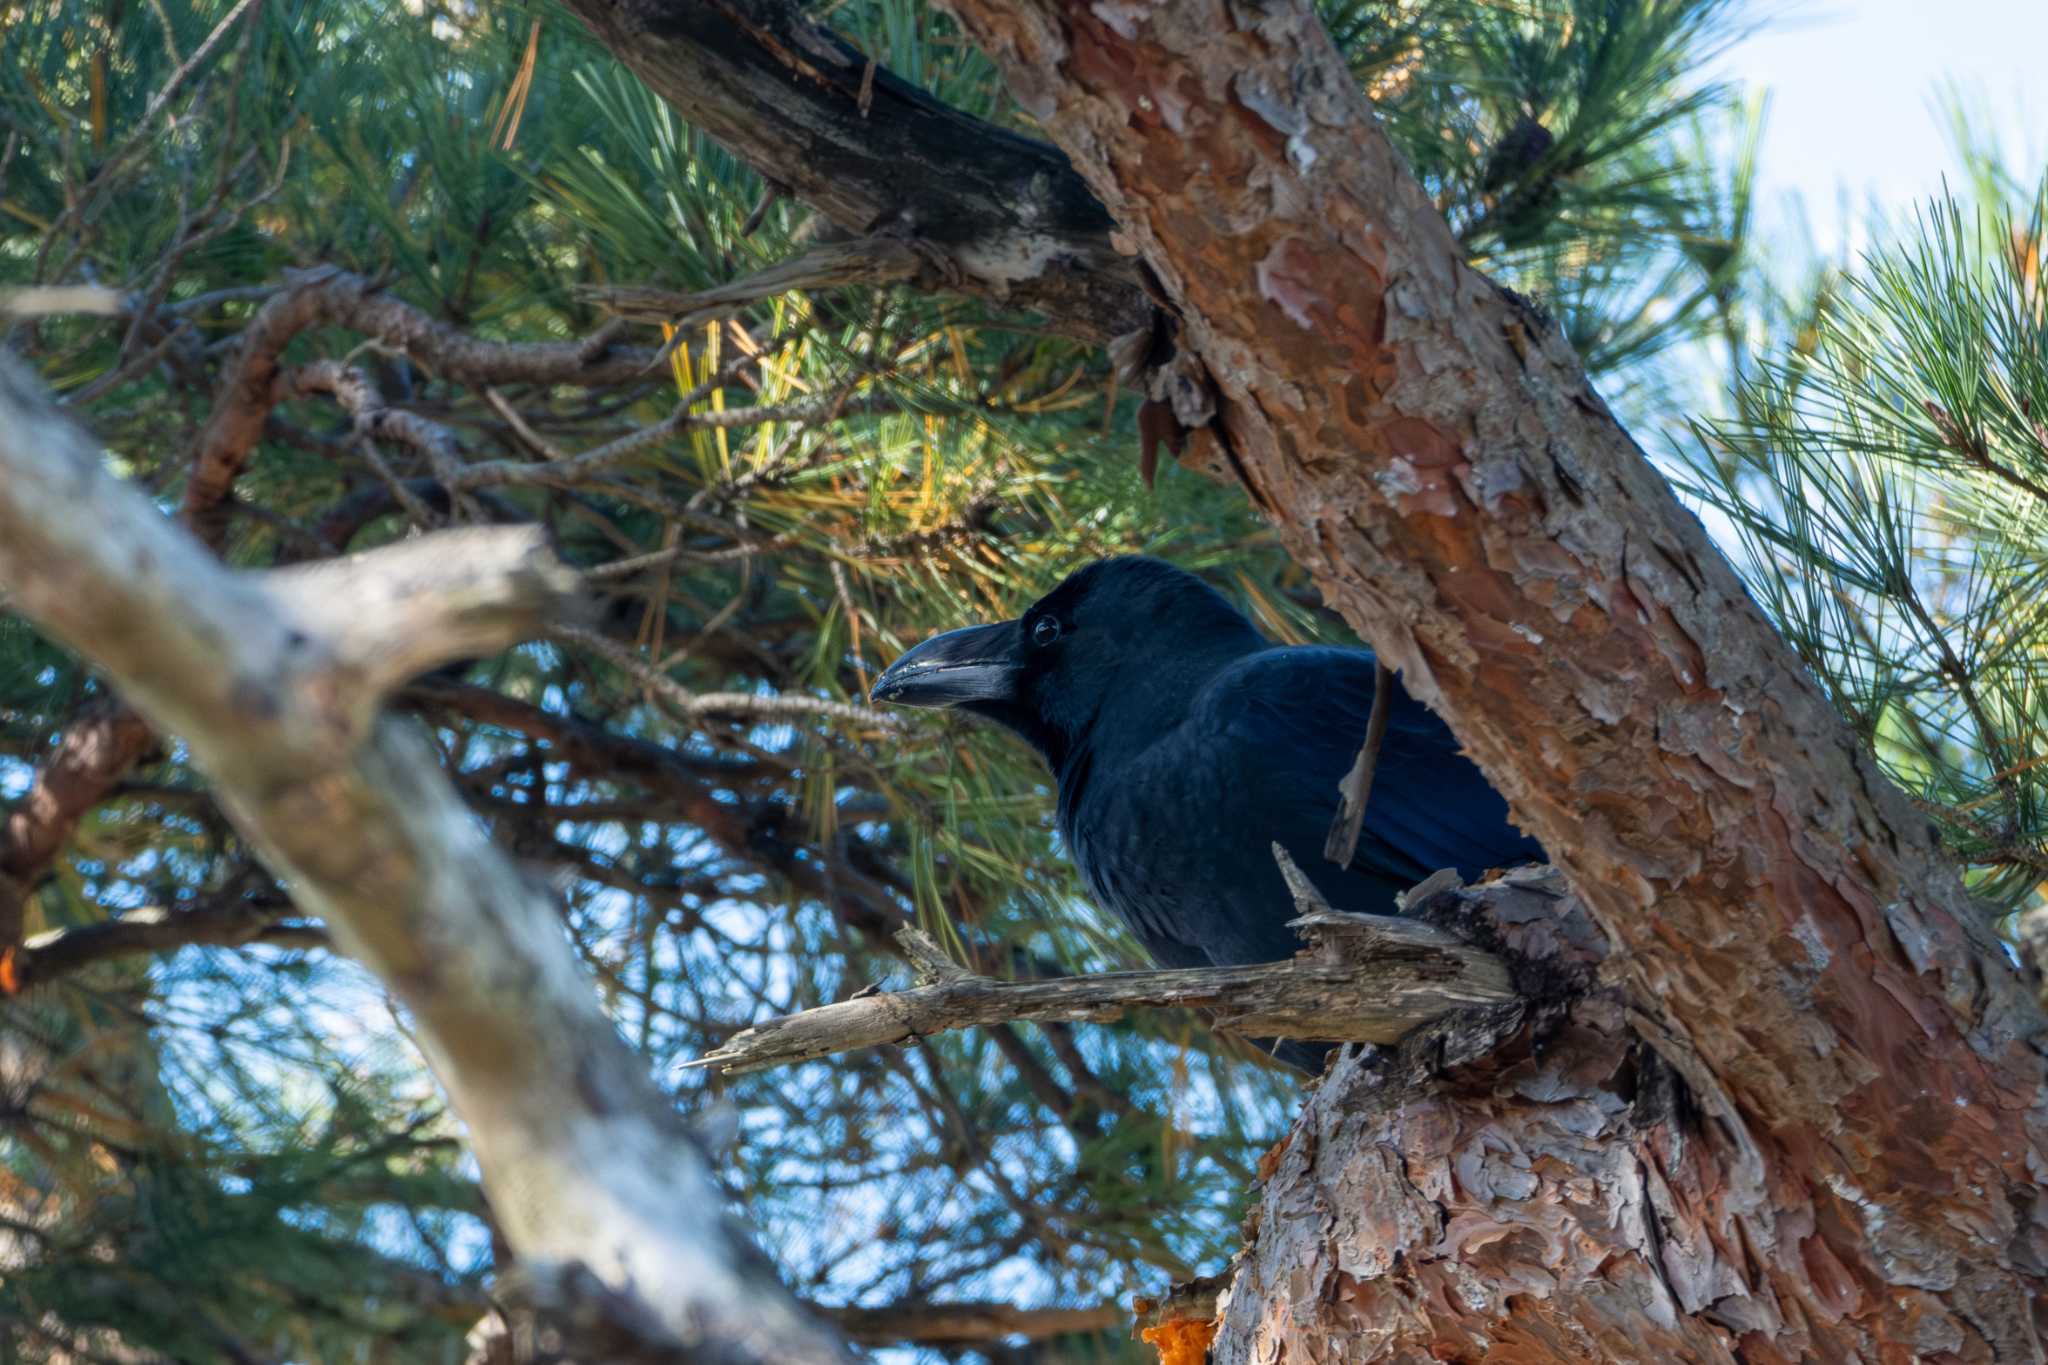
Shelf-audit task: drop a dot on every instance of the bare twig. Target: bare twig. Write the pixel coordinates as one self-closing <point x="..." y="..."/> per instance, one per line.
<point x="358" y="396"/>
<point x="89" y="198"/>
<point x="1973" y="449"/>
<point x="590" y="464"/>
<point x="954" y="1324"/>
<point x="95" y="750"/>
<point x="47" y="957"/>
<point x="771" y="193"/>
<point x="248" y="389"/>
<point x="864" y="260"/>
<point x="693" y="705"/>
<point x="1356" y="788"/>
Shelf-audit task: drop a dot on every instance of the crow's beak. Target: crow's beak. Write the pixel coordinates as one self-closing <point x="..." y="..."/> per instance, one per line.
<point x="978" y="664"/>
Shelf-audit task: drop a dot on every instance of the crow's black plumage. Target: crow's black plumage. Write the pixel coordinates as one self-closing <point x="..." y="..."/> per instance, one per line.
<point x="1186" y="743"/>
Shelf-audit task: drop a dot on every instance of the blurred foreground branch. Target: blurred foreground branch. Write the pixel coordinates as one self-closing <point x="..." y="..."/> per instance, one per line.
<point x="586" y="1163"/>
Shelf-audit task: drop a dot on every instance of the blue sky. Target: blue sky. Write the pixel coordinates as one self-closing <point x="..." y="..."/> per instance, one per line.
<point x="1853" y="87"/>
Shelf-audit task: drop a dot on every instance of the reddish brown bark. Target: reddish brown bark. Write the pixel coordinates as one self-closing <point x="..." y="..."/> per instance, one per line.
<point x="1854" y="1170"/>
<point x="89" y="759"/>
<point x="249" y="389"/>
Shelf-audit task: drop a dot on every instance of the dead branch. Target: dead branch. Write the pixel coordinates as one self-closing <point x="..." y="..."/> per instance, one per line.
<point x="238" y="923"/>
<point x="585" y="1161"/>
<point x="587" y="465"/>
<point x="1002" y="217"/>
<point x="390" y="614"/>
<point x="863" y="260"/>
<point x="385" y="617"/>
<point x="1362" y="979"/>
<point x="695" y="705"/>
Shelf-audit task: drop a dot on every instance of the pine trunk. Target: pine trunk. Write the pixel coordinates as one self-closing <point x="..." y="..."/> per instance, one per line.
<point x="1801" y="1117"/>
<point x="1793" y="1107"/>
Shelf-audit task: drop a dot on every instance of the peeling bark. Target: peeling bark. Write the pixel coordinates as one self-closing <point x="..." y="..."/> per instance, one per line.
<point x="1781" y="923"/>
<point x="1866" y="1111"/>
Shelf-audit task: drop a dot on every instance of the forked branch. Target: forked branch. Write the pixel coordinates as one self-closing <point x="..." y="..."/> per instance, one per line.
<point x="586" y="1163"/>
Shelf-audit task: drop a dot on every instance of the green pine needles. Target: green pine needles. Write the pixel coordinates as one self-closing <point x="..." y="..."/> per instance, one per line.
<point x="1885" y="480"/>
<point x="233" y="1150"/>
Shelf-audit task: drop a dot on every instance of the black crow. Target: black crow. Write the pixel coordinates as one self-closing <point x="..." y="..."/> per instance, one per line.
<point x="1186" y="743"/>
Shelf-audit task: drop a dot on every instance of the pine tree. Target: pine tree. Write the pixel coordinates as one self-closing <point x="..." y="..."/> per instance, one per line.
<point x="229" y="1148"/>
<point x="1886" y="480"/>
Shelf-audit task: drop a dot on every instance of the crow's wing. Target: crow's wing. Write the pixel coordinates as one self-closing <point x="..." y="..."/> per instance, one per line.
<point x="1178" y="839"/>
<point x="1291" y="722"/>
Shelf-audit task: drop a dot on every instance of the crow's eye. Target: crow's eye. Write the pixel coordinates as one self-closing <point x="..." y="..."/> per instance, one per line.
<point x="1045" y="632"/>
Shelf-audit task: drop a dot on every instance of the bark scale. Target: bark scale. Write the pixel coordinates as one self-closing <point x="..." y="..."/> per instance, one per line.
<point x="1851" y="1166"/>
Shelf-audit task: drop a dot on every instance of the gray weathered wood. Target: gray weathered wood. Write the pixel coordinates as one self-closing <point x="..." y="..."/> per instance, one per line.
<point x="586" y="1163"/>
<point x="1361" y="979"/>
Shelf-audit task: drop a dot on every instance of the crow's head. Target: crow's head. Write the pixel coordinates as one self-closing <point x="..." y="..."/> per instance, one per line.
<point x="1122" y="647"/>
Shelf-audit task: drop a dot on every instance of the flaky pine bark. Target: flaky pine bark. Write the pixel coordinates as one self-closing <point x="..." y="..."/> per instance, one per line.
<point x="1803" y="1114"/>
<point x="1862" y="1177"/>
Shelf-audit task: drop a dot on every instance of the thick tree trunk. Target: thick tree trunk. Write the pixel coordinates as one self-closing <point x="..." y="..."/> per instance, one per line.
<point x="1802" y="1116"/>
<point x="1850" y="1166"/>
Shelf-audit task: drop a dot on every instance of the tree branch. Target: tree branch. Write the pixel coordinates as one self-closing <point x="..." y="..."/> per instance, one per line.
<point x="759" y="832"/>
<point x="391" y="614"/>
<point x="95" y="752"/>
<point x="102" y="746"/>
<point x="1362" y="979"/>
<point x="249" y="389"/>
<point x="864" y="260"/>
<point x="385" y="617"/>
<point x="1004" y="216"/>
<point x="696" y="705"/>
<point x="962" y="1324"/>
<point x="236" y="923"/>
<point x="585" y="1162"/>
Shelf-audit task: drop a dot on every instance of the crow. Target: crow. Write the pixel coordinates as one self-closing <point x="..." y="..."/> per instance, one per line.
<point x="1185" y="744"/>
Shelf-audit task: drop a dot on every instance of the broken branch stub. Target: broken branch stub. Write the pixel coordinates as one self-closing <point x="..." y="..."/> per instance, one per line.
<point x="391" y="614"/>
<point x="1361" y="979"/>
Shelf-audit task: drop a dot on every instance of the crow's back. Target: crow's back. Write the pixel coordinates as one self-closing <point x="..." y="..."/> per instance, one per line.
<point x="1175" y="834"/>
